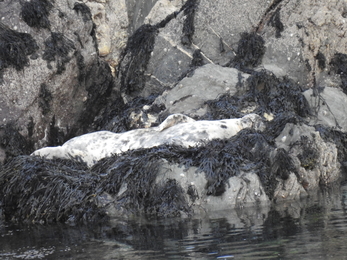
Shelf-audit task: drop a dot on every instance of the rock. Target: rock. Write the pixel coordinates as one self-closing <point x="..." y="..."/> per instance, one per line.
<point x="112" y="24"/>
<point x="301" y="38"/>
<point x="329" y="106"/>
<point x="51" y="80"/>
<point x="207" y="83"/>
<point x="242" y="190"/>
<point x="171" y="58"/>
<point x="315" y="161"/>
<point x="162" y="9"/>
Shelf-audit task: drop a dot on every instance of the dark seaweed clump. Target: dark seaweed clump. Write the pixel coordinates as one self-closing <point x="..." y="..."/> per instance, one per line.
<point x="339" y="65"/>
<point x="83" y="9"/>
<point x="198" y="59"/>
<point x="135" y="58"/>
<point x="35" y="13"/>
<point x="275" y="21"/>
<point x="45" y="98"/>
<point x="15" y="47"/>
<point x="12" y="142"/>
<point x="321" y="60"/>
<point x="57" y="49"/>
<point x="309" y="153"/>
<point x="266" y="93"/>
<point x="188" y="26"/>
<point x="35" y="190"/>
<point x="250" y="51"/>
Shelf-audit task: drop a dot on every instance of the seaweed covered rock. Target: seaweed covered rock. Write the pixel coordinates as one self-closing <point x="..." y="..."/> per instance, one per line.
<point x="52" y="82"/>
<point x="250" y="168"/>
<point x="301" y="39"/>
<point x="169" y="56"/>
<point x="34" y="190"/>
<point x="311" y="161"/>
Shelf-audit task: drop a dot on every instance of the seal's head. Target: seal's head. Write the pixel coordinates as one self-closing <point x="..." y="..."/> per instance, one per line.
<point x="253" y="121"/>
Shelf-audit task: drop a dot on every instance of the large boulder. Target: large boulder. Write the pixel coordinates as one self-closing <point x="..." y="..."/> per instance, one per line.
<point x="52" y="81"/>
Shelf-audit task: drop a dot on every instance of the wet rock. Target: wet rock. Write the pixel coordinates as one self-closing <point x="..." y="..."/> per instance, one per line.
<point x="316" y="161"/>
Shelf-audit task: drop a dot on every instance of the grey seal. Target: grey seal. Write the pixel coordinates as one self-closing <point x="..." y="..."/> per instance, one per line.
<point x="177" y="129"/>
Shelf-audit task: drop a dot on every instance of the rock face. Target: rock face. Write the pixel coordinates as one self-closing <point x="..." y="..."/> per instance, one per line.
<point x="111" y="28"/>
<point x="51" y="79"/>
<point x="121" y="65"/>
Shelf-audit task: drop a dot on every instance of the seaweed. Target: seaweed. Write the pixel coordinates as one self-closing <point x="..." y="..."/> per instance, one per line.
<point x="45" y="97"/>
<point x="283" y="164"/>
<point x="35" y="13"/>
<point x="309" y="153"/>
<point x="250" y="51"/>
<point x="321" y="60"/>
<point x="275" y="95"/>
<point x="13" y="143"/>
<point x="35" y="190"/>
<point x="266" y="94"/>
<point x="15" y="47"/>
<point x="275" y="21"/>
<point x="188" y="27"/>
<point x="83" y="9"/>
<point x="338" y="64"/>
<point x="137" y="53"/>
<point x="168" y="200"/>
<point x="57" y="49"/>
<point x="226" y="106"/>
<point x="135" y="58"/>
<point x="276" y="126"/>
<point x="198" y="59"/>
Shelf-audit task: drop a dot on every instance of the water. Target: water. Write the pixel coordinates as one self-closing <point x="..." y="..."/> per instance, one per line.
<point x="314" y="228"/>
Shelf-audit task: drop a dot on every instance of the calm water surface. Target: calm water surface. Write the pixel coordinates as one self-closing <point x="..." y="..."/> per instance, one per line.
<point x="314" y="228"/>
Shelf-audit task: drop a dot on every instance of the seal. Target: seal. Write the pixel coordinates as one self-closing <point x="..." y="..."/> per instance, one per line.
<point x="177" y="129"/>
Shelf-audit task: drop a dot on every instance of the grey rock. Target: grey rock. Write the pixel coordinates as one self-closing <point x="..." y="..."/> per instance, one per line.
<point x="243" y="190"/>
<point x="315" y="161"/>
<point x="48" y="98"/>
<point x="207" y="83"/>
<point x="329" y="106"/>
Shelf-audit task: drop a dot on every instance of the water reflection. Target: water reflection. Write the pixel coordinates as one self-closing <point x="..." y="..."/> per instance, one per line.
<point x="313" y="228"/>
